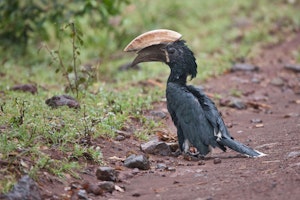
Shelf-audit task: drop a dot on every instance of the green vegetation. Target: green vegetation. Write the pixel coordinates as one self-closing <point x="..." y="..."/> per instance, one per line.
<point x="57" y="49"/>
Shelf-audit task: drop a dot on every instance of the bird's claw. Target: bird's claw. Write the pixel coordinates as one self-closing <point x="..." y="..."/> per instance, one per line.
<point x="192" y="156"/>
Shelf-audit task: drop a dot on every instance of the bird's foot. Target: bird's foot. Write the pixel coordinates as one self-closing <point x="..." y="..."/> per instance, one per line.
<point x="192" y="156"/>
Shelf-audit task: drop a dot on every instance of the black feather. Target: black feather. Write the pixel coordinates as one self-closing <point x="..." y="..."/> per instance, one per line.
<point x="195" y="115"/>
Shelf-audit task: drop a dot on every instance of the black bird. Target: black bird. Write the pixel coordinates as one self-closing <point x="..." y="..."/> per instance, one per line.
<point x="196" y="117"/>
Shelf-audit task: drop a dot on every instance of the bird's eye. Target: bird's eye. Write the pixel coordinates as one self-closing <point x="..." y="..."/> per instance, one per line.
<point x="171" y="50"/>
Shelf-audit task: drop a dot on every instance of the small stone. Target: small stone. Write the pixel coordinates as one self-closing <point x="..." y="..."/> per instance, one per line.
<point x="120" y="138"/>
<point x="107" y="174"/>
<point x="136" y="194"/>
<point x="25" y="88"/>
<point x="233" y="103"/>
<point x="237" y="103"/>
<point x="256" y="121"/>
<point x="217" y="161"/>
<point x="277" y="82"/>
<point x="137" y="161"/>
<point x="82" y="194"/>
<point x="158" y="114"/>
<point x="294" y="68"/>
<point x="96" y="190"/>
<point x="107" y="186"/>
<point x="156" y="147"/>
<point x="294" y="154"/>
<point x="201" y="162"/>
<point x="161" y="166"/>
<point x="26" y="188"/>
<point x="174" y="146"/>
<point x="62" y="100"/>
<point x="135" y="171"/>
<point x="244" y="67"/>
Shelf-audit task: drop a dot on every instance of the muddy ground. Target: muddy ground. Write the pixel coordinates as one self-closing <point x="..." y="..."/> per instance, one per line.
<point x="270" y="123"/>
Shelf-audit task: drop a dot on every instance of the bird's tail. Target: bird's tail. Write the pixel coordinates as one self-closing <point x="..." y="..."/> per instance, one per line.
<point x="241" y="148"/>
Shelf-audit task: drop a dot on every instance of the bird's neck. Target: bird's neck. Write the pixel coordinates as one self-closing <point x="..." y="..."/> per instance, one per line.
<point x="177" y="77"/>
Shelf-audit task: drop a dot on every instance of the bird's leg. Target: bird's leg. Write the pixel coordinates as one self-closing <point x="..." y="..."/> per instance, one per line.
<point x="186" y="146"/>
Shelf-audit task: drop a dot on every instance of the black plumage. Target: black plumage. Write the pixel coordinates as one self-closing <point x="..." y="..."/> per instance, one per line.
<point x="196" y="117"/>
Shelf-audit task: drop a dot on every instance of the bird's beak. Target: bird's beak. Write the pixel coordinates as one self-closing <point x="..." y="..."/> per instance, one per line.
<point x="150" y="46"/>
<point x="150" y="54"/>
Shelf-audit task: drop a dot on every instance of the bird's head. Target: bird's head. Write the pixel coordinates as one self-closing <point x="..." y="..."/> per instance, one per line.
<point x="164" y="46"/>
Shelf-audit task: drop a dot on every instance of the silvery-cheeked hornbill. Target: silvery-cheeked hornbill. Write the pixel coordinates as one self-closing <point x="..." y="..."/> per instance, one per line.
<point x="196" y="117"/>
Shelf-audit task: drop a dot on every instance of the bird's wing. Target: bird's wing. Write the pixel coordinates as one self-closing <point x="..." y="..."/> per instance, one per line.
<point x="190" y="117"/>
<point x="223" y="137"/>
<point x="211" y="112"/>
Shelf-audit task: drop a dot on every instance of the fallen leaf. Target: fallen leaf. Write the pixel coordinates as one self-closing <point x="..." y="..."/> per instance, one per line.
<point x="119" y="189"/>
<point x="116" y="158"/>
<point x="259" y="125"/>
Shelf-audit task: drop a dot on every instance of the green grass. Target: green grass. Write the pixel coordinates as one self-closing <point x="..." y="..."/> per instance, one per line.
<point x="36" y="138"/>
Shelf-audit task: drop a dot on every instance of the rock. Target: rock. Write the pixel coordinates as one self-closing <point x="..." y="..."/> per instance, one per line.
<point x="136" y="194"/>
<point x="244" y="67"/>
<point x="201" y="162"/>
<point x="233" y="103"/>
<point x="123" y="133"/>
<point x="158" y="114"/>
<point x="256" y="121"/>
<point x="26" y="188"/>
<point x="120" y="138"/>
<point x="107" y="174"/>
<point x="217" y="161"/>
<point x="106" y="186"/>
<point x="25" y="88"/>
<point x="62" y="100"/>
<point x="174" y="146"/>
<point x="237" y="103"/>
<point x="294" y="68"/>
<point x="293" y="154"/>
<point x="137" y="161"/>
<point x="82" y="194"/>
<point x="161" y="166"/>
<point x="156" y="147"/>
<point x="277" y="82"/>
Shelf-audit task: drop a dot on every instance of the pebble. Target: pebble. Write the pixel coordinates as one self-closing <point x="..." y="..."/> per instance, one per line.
<point x="82" y="194"/>
<point x="107" y="186"/>
<point x="62" y="100"/>
<point x="137" y="161"/>
<point x="256" y="121"/>
<point x="120" y="138"/>
<point x="161" y="166"/>
<point x="244" y="67"/>
<point x="217" y="161"/>
<point x="158" y="114"/>
<point x="26" y="188"/>
<point x="156" y="147"/>
<point x="294" y="68"/>
<point x="107" y="174"/>
<point x="277" y="82"/>
<point x="294" y="154"/>
<point x="25" y="88"/>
